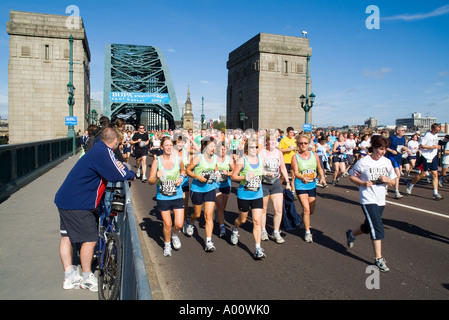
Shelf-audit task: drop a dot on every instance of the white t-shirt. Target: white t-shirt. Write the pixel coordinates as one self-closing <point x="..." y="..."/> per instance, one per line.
<point x="367" y="169"/>
<point x="429" y="139"/>
<point x="350" y="145"/>
<point x="446" y="156"/>
<point x="413" y="146"/>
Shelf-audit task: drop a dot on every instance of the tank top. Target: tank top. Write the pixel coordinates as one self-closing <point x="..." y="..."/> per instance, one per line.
<point x="207" y="170"/>
<point x="250" y="190"/>
<point x="224" y="181"/>
<point x="271" y="164"/>
<point x="307" y="168"/>
<point x="166" y="188"/>
<point x="185" y="160"/>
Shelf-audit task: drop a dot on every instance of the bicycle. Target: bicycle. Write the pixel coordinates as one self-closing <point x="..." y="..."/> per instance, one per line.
<point x="109" y="251"/>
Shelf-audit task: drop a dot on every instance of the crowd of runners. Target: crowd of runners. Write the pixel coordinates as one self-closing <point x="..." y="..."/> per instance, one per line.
<point x="198" y="168"/>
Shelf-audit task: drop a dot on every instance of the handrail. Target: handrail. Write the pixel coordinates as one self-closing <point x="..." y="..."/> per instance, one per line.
<point x="134" y="283"/>
<point x="23" y="162"/>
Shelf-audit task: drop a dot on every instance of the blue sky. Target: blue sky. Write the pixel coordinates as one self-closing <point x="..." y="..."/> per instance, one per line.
<point x="357" y="73"/>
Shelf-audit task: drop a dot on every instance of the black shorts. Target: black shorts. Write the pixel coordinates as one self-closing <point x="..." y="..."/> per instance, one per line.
<point x="310" y="192"/>
<point x="79" y="225"/>
<point x="167" y="205"/>
<point x="244" y="205"/>
<point x="198" y="198"/>
<point x="373" y="221"/>
<point x="431" y="165"/>
<point x="139" y="153"/>
<point x="225" y="190"/>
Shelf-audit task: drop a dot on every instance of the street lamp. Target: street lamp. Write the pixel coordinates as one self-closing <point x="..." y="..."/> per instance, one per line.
<point x="307" y="104"/>
<point x="71" y="99"/>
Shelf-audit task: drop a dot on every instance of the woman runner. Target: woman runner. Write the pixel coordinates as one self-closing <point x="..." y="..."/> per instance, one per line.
<point x="305" y="166"/>
<point x="168" y="171"/>
<point x="202" y="191"/>
<point x="248" y="171"/>
<point x="225" y="165"/>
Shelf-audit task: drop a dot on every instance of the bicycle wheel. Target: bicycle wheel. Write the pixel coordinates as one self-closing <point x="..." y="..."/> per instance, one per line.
<point x="110" y="275"/>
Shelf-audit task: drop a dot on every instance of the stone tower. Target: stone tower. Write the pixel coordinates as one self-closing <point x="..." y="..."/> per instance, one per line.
<point x="38" y="74"/>
<point x="188" y="115"/>
<point x="266" y="77"/>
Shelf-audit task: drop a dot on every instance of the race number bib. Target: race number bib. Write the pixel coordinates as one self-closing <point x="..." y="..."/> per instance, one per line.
<point x="209" y="175"/>
<point x="309" y="175"/>
<point x="222" y="177"/>
<point x="168" y="188"/>
<point x="253" y="184"/>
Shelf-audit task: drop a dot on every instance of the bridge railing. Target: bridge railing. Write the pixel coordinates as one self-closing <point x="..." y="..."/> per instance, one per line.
<point x="134" y="283"/>
<point x="23" y="162"/>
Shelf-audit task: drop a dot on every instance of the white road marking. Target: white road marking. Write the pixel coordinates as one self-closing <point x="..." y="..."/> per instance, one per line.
<point x="418" y="209"/>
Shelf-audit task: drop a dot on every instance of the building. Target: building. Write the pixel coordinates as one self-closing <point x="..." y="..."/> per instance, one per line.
<point x="416" y="122"/>
<point x="187" y="119"/>
<point x="371" y="123"/>
<point x="38" y="74"/>
<point x="266" y="77"/>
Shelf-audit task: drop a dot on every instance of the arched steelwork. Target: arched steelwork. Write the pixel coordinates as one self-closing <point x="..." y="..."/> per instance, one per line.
<point x="138" y="87"/>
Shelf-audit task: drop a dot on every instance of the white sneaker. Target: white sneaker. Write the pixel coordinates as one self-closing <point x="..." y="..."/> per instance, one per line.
<point x="176" y="242"/>
<point x="138" y="173"/>
<point x="167" y="251"/>
<point x="73" y="283"/>
<point x="264" y="235"/>
<point x="90" y="283"/>
<point x="308" y="238"/>
<point x="277" y="237"/>
<point x="235" y="237"/>
<point x="144" y="178"/>
<point x="188" y="228"/>
<point x="209" y="247"/>
<point x="409" y="188"/>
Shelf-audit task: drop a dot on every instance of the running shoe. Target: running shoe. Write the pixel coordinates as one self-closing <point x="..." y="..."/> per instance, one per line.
<point x="259" y="254"/>
<point x="350" y="238"/>
<point x="308" y="238"/>
<point x="437" y="197"/>
<point x="398" y="195"/>
<point x="235" y="237"/>
<point x="380" y="263"/>
<point x="176" y="242"/>
<point x="277" y="237"/>
<point x="90" y="283"/>
<point x="144" y="178"/>
<point x="264" y="235"/>
<point x="209" y="247"/>
<point x="188" y="228"/>
<point x="73" y="283"/>
<point x="409" y="188"/>
<point x="167" y="251"/>
<point x="138" y="173"/>
<point x="222" y="232"/>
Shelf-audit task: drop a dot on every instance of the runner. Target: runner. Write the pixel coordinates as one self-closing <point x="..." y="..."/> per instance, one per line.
<point x="429" y="155"/>
<point x="225" y="165"/>
<point x="203" y="169"/>
<point x="168" y="172"/>
<point x="140" y="140"/>
<point x="338" y="158"/>
<point x="248" y="171"/>
<point x="372" y="174"/>
<point x="305" y="166"/>
<point x="394" y="153"/>
<point x="274" y="165"/>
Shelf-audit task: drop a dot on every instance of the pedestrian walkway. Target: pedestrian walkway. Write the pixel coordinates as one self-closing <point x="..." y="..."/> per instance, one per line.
<point x="30" y="267"/>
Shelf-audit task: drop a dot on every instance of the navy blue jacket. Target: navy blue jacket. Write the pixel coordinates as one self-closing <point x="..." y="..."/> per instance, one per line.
<point x="86" y="182"/>
<point x="290" y="218"/>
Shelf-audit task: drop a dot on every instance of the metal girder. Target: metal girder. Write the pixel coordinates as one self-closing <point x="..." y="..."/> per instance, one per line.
<point x="139" y="69"/>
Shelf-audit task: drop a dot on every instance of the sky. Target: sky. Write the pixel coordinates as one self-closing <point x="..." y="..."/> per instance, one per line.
<point x="384" y="62"/>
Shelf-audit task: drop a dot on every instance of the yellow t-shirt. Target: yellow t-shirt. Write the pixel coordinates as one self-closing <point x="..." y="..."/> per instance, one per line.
<point x="284" y="144"/>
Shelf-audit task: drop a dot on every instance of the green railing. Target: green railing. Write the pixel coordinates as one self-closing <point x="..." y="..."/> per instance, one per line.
<point x="22" y="163"/>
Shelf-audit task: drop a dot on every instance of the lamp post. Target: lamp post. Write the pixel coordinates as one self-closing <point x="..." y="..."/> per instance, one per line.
<point x="71" y="92"/>
<point x="305" y="103"/>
